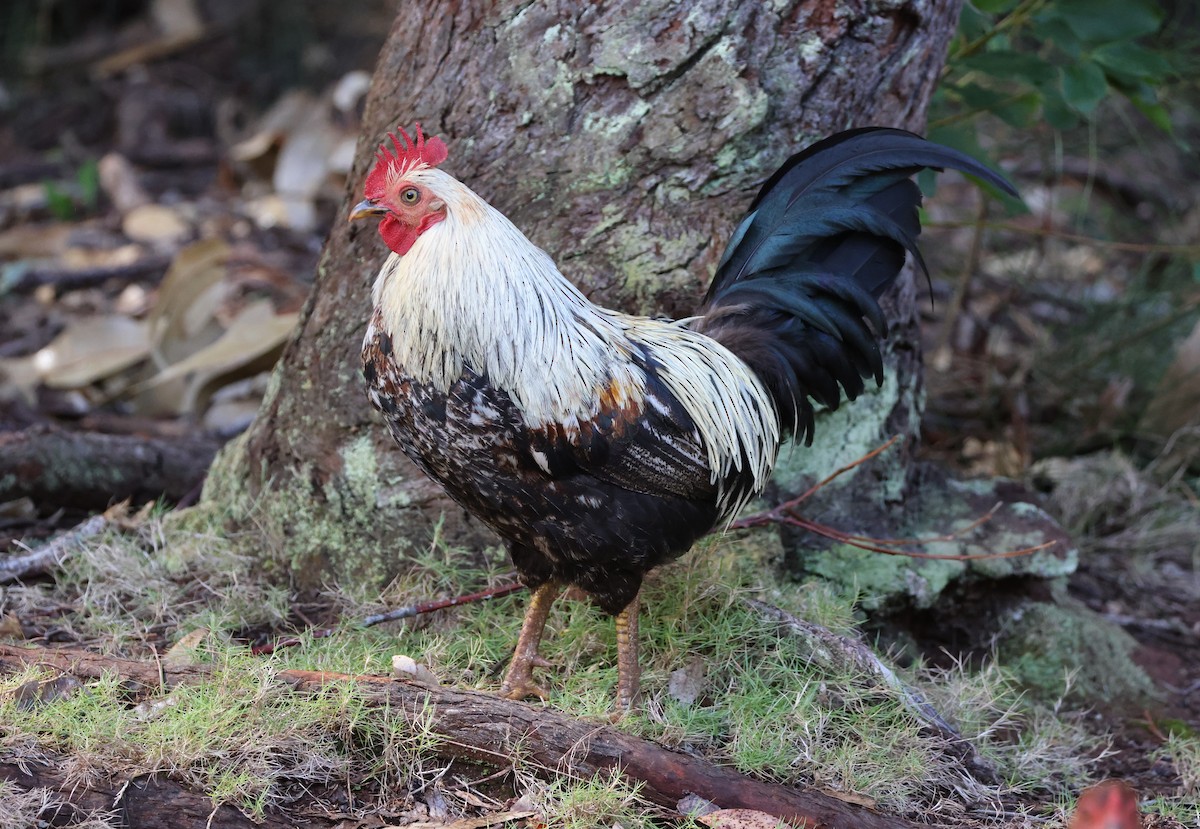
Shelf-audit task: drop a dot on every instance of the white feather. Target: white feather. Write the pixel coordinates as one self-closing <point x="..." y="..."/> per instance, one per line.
<point x="474" y="291"/>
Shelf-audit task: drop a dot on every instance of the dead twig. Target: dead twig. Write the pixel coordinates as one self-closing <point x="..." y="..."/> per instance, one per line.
<point x="397" y="613"/>
<point x="784" y="514"/>
<point x="55" y="552"/>
<point x="872" y="547"/>
<point x="774" y="514"/>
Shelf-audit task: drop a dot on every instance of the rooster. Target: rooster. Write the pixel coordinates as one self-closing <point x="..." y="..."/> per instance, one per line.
<point x="600" y="445"/>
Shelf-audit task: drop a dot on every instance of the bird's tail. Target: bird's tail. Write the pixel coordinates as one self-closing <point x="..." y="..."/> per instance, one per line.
<point x="799" y="281"/>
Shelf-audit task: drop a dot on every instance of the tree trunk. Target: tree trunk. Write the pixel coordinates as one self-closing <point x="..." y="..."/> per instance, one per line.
<point x="626" y="139"/>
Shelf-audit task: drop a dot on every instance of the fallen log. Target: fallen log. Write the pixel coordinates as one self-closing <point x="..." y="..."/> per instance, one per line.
<point x="90" y="470"/>
<point x="474" y="726"/>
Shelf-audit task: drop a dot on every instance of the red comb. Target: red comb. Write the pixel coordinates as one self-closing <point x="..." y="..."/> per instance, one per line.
<point x="407" y="155"/>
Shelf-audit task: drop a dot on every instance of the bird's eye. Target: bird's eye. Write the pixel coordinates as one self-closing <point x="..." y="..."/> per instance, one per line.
<point x="410" y="196"/>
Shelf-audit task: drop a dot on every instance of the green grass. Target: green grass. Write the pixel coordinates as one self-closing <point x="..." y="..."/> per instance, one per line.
<point x="769" y="703"/>
<point x="244" y="737"/>
<point x="606" y="800"/>
<point x="1182" y="751"/>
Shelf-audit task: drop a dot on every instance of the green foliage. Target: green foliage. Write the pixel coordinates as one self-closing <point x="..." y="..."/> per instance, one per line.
<point x="80" y="195"/>
<point x="1053" y="61"/>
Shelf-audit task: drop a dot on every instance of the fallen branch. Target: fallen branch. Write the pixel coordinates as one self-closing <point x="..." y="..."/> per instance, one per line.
<point x="90" y="470"/>
<point x="55" y="551"/>
<point x="482" y="728"/>
<point x="148" y="268"/>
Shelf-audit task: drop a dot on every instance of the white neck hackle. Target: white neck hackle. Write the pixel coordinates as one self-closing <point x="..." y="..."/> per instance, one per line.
<point x="473" y="291"/>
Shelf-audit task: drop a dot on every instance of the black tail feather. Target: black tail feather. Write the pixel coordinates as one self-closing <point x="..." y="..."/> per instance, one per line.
<point x="795" y="294"/>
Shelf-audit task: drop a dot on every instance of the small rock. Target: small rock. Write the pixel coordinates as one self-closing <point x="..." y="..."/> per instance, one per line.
<point x="405" y="667"/>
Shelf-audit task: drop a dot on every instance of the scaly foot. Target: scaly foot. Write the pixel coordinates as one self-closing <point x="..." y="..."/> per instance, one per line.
<point x="518" y="682"/>
<point x="629" y="672"/>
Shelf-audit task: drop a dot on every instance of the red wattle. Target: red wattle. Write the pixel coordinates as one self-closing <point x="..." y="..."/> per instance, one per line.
<point x="400" y="236"/>
<point x="397" y="235"/>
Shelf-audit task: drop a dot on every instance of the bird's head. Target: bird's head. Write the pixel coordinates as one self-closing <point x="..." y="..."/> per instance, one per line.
<point x="401" y="189"/>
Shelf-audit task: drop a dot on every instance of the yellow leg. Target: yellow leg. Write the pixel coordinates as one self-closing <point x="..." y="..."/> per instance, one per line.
<point x="629" y="673"/>
<point x="518" y="681"/>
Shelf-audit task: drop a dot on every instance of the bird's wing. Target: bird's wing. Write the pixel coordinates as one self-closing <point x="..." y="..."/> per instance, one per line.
<point x="651" y="446"/>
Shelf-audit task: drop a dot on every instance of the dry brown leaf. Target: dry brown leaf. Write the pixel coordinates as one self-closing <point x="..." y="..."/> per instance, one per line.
<point x="341" y="159"/>
<point x="182" y="311"/>
<point x="21" y="508"/>
<point x="279" y="121"/>
<point x="154" y="224"/>
<point x="687" y="683"/>
<point x="24" y="198"/>
<point x="35" y="241"/>
<point x="693" y="805"/>
<point x="252" y="342"/>
<point x="19" y="377"/>
<point x="177" y="17"/>
<point x="152" y="709"/>
<point x="405" y="667"/>
<point x="34" y="694"/>
<point x="852" y="797"/>
<point x="349" y="90"/>
<point x="92" y="349"/>
<point x="273" y="210"/>
<point x="10" y="627"/>
<point x="230" y="417"/>
<point x="120" y="183"/>
<point x="256" y="330"/>
<point x="303" y="164"/>
<point x="741" y="819"/>
<point x="118" y="514"/>
<point x="183" y="653"/>
<point x="81" y="258"/>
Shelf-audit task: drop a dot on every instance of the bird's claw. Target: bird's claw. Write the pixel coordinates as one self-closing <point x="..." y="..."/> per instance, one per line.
<point x="523" y="687"/>
<point x="519" y="682"/>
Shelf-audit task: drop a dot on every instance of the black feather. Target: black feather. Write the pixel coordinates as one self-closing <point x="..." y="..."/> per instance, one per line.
<point x="796" y="292"/>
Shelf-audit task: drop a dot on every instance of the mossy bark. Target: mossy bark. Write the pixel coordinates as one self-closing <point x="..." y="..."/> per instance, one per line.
<point x="625" y="138"/>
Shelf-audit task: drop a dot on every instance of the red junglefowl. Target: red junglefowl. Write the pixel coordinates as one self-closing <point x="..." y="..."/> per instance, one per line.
<point x="600" y="445"/>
